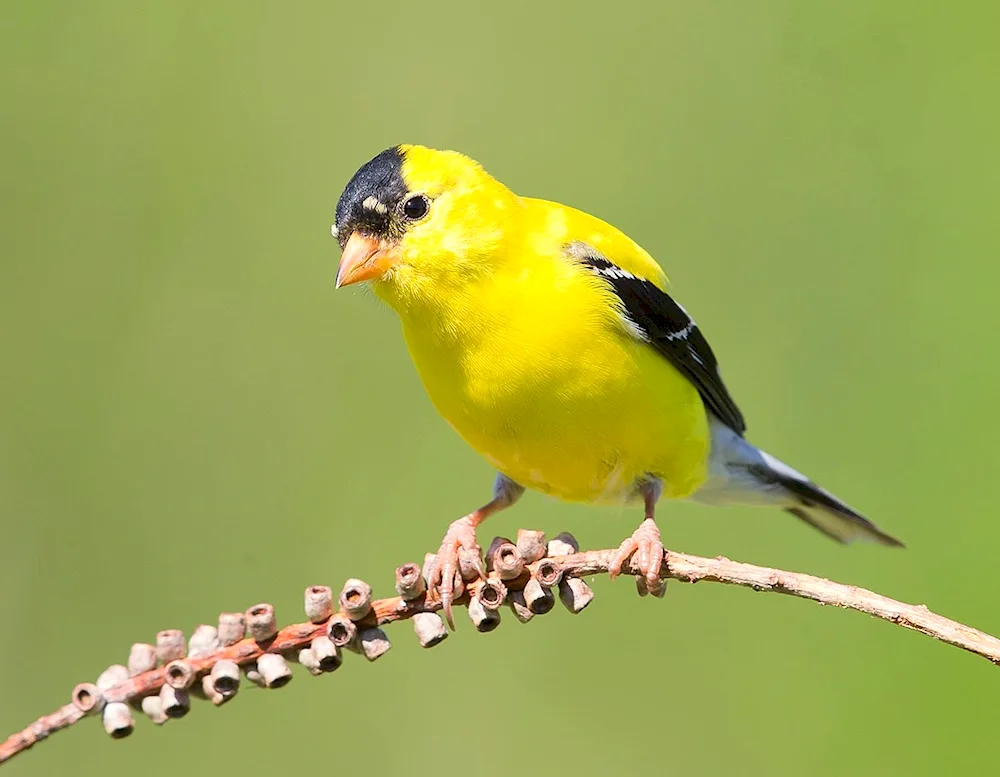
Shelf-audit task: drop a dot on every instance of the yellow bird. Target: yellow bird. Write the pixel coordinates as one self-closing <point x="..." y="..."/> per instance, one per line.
<point x="548" y="340"/>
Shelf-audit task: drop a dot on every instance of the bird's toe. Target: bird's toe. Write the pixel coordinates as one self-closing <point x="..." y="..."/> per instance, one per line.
<point x="645" y="543"/>
<point x="445" y="576"/>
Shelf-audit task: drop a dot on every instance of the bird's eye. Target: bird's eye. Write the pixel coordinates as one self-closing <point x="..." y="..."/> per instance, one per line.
<point x="416" y="207"/>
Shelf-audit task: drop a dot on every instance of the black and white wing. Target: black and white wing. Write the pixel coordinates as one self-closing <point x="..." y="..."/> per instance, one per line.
<point x="654" y="316"/>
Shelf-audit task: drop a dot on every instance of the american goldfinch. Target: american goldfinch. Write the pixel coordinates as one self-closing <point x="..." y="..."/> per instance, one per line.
<point x="548" y="340"/>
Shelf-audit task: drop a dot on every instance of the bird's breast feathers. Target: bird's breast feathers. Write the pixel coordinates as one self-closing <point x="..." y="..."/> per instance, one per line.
<point x="538" y="369"/>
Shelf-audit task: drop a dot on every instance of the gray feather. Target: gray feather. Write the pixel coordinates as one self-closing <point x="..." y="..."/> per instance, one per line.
<point x="741" y="473"/>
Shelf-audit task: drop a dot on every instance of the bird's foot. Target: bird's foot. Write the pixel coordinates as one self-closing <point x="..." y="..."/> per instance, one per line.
<point x="645" y="542"/>
<point x="444" y="575"/>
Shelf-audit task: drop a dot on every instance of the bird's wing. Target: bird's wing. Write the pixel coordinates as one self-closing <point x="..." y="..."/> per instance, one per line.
<point x="654" y="316"/>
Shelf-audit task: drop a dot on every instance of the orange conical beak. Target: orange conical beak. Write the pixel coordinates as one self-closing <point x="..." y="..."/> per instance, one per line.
<point x="365" y="257"/>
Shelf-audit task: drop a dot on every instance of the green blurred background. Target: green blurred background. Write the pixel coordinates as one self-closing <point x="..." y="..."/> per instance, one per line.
<point x="192" y="420"/>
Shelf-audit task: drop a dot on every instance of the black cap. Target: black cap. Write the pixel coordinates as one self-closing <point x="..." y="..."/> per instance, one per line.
<point x="368" y="204"/>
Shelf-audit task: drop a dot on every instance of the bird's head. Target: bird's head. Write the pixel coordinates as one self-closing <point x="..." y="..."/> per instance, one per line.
<point x="414" y="219"/>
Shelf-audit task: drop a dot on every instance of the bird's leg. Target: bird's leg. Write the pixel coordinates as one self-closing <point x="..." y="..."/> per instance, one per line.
<point x="443" y="574"/>
<point x="645" y="541"/>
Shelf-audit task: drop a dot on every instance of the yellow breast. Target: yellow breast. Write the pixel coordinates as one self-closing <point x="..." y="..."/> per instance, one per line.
<point x="536" y="371"/>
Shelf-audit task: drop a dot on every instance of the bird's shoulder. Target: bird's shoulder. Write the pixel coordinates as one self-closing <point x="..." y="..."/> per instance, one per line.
<point x="552" y="227"/>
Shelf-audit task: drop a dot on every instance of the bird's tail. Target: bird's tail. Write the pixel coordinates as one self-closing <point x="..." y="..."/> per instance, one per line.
<point x="741" y="473"/>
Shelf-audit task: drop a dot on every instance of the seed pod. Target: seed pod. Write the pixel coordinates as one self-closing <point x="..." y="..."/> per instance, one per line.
<point x="318" y="603"/>
<point x="563" y="544"/>
<point x="141" y="658"/>
<point x="429" y="628"/>
<point x="356" y="599"/>
<point x="262" y="623"/>
<point x="205" y="640"/>
<point x="307" y="658"/>
<point x="179" y="674"/>
<point x="531" y="545"/>
<point x="374" y="643"/>
<point x="429" y="559"/>
<point x="482" y="618"/>
<point x="539" y="598"/>
<point x="274" y="670"/>
<point x="327" y="654"/>
<point x="250" y="670"/>
<point x="342" y="632"/>
<point x="505" y="560"/>
<point x="112" y="676"/>
<point x="232" y="628"/>
<point x="152" y="707"/>
<point x="118" y="720"/>
<point x="519" y="606"/>
<point x="492" y="594"/>
<point x="206" y="688"/>
<point x="547" y="572"/>
<point x="410" y="583"/>
<point x="87" y="698"/>
<point x="575" y="594"/>
<point x="470" y="564"/>
<point x="170" y="646"/>
<point x="176" y="701"/>
<point x="226" y="677"/>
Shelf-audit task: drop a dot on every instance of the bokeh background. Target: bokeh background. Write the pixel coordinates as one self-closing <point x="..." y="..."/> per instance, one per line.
<point x="192" y="420"/>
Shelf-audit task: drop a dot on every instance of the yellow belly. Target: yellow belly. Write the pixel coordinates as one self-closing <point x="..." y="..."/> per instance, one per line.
<point x="566" y="403"/>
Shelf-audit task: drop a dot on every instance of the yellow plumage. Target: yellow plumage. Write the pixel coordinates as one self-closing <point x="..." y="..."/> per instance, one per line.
<point x="530" y="363"/>
<point x="521" y="317"/>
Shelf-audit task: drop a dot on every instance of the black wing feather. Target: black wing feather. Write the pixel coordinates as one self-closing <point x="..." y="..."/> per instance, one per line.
<point x="670" y="330"/>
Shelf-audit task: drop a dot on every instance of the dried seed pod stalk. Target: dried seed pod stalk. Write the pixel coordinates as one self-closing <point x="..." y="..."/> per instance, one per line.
<point x="531" y="545"/>
<point x="232" y="628"/>
<point x="318" y="603"/>
<point x="170" y="646"/>
<point x="356" y="599"/>
<point x="410" y="583"/>
<point x="429" y="628"/>
<point x="262" y="622"/>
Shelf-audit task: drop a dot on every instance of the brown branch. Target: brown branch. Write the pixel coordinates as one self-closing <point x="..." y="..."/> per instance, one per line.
<point x="161" y="691"/>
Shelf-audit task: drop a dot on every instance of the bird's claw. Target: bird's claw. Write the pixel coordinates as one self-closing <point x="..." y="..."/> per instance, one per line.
<point x="645" y="543"/>
<point x="445" y="573"/>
